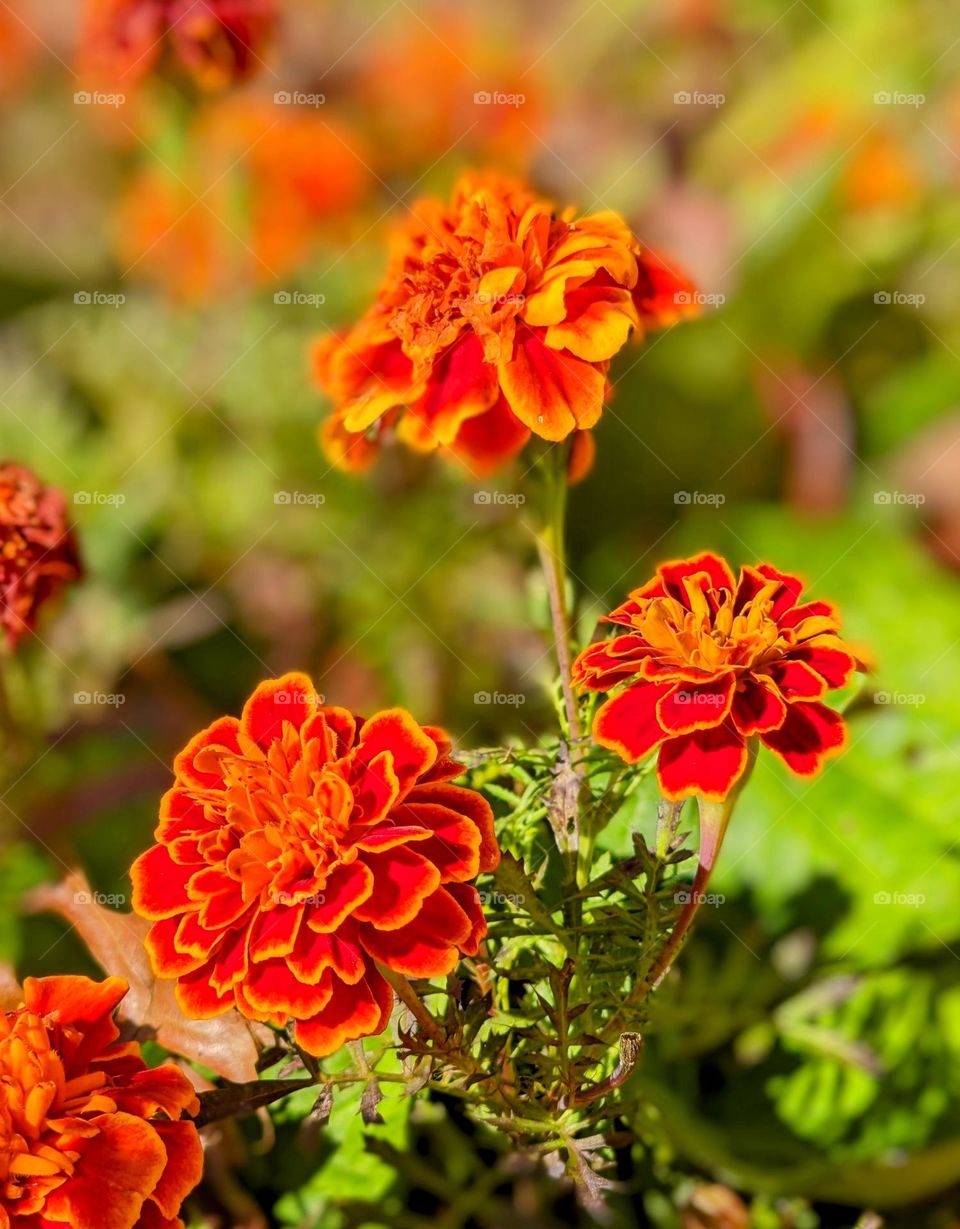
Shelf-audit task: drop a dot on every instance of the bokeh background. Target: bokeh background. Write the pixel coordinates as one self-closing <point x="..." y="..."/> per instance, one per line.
<point x="165" y="262"/>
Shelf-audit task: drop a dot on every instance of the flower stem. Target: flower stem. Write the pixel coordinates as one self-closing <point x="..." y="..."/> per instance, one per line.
<point x="553" y="559"/>
<point x="714" y="818"/>
<point x="415" y="1005"/>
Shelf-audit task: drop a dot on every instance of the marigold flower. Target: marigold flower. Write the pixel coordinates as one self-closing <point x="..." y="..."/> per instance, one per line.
<point x="497" y="319"/>
<point x="705" y="663"/>
<point x="90" y="1137"/>
<point x="301" y="846"/>
<point x="216" y="42"/>
<point x="38" y="554"/>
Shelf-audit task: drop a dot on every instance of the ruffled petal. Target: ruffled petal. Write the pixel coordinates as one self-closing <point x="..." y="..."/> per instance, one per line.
<point x="353" y="1011"/>
<point x="809" y="734"/>
<point x="551" y="391"/>
<point x="628" y="723"/>
<point x="707" y="762"/>
<point x="687" y="707"/>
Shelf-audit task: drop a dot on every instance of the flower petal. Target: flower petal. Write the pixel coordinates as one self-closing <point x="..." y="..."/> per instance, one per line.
<point x="758" y="707"/>
<point x="810" y="733"/>
<point x="707" y="762"/>
<point x="551" y="391"/>
<point x="290" y="698"/>
<point x="428" y="946"/>
<point x="401" y="881"/>
<point x="689" y="706"/>
<point x="160" y="884"/>
<point x="353" y="1011"/>
<point x="628" y="723"/>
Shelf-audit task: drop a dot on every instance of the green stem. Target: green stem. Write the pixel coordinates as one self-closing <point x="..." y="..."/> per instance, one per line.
<point x="714" y="818"/>
<point x="550" y="545"/>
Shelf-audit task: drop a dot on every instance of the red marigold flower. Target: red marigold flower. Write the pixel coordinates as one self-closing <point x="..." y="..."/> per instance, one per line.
<point x="215" y="41"/>
<point x="301" y="846"/>
<point x="38" y="554"/>
<point x="497" y="319"/>
<point x="705" y="662"/>
<point x="90" y="1137"/>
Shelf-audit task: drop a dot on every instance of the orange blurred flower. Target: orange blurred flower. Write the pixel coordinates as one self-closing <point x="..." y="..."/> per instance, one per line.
<point x="38" y="553"/>
<point x="255" y="187"/>
<point x="458" y="84"/>
<point x="881" y="174"/>
<point x="90" y="1137"/>
<point x="703" y="663"/>
<point x="498" y="318"/>
<point x="299" y="848"/>
<point x="215" y="42"/>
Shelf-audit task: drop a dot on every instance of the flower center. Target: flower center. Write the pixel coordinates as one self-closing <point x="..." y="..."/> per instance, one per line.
<point x="713" y="634"/>
<point x="33" y="1087"/>
<point x="284" y="817"/>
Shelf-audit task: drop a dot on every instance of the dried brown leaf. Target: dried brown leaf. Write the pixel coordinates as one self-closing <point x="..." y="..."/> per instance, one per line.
<point x="228" y="1045"/>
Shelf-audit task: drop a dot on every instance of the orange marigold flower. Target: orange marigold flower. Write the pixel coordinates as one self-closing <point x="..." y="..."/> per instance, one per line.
<point x="216" y="42"/>
<point x="705" y="662"/>
<point x="38" y="553"/>
<point x="90" y="1137"/>
<point x="498" y="318"/>
<point x="301" y="846"/>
